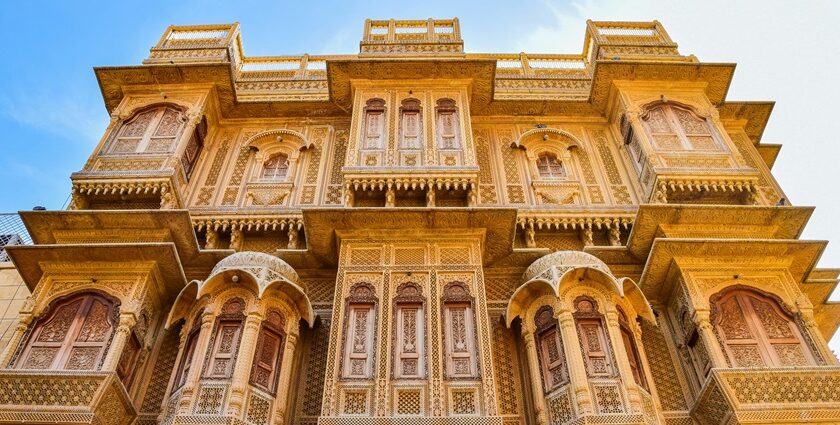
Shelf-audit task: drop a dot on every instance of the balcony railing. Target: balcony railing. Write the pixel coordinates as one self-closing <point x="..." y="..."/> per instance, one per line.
<point x="66" y="397"/>
<point x="778" y="395"/>
<point x="12" y="232"/>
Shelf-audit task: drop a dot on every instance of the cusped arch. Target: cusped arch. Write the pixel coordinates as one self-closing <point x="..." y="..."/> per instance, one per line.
<point x="271" y="140"/>
<point x="551" y="273"/>
<point x="555" y="137"/>
<point x="261" y="273"/>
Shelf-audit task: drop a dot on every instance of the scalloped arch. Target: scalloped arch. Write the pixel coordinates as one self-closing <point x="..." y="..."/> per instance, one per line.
<point x="538" y="135"/>
<point x="299" y="140"/>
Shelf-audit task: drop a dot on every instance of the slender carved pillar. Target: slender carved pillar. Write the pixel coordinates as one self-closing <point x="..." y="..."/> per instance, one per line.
<point x="707" y="333"/>
<point x="284" y="378"/>
<point x="127" y="321"/>
<point x="819" y="342"/>
<point x="24" y="322"/>
<point x="622" y="361"/>
<point x="534" y="368"/>
<point x="577" y="367"/>
<point x="207" y="319"/>
<point x="244" y="360"/>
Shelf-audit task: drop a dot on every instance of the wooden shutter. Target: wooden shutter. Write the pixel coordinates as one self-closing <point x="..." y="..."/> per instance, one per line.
<point x="359" y="341"/>
<point x="460" y="340"/>
<point x="596" y="351"/>
<point x="410" y="338"/>
<point x="188" y="358"/>
<point x="267" y="358"/>
<point x="757" y="333"/>
<point x="74" y="337"/>
<point x="552" y="358"/>
<point x="225" y="346"/>
<point x="128" y="360"/>
<point x="633" y="356"/>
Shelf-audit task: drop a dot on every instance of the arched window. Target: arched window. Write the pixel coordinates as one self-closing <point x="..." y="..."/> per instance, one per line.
<point x="73" y="335"/>
<point x="459" y="331"/>
<point x="150" y="131"/>
<point x="359" y="332"/>
<point x="447" y="123"/>
<point x="672" y="127"/>
<point x="410" y="334"/>
<point x="269" y="352"/>
<point x="411" y="125"/>
<point x="224" y="343"/>
<point x="632" y="350"/>
<point x="594" y="343"/>
<point x="549" y="167"/>
<point x="374" y="125"/>
<point x="276" y="167"/>
<point x="550" y="352"/>
<point x="757" y="332"/>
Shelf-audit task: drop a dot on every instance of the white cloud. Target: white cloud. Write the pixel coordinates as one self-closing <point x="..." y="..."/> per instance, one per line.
<point x="66" y="115"/>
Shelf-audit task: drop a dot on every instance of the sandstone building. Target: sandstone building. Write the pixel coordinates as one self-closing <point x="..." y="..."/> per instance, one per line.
<point x="417" y="235"/>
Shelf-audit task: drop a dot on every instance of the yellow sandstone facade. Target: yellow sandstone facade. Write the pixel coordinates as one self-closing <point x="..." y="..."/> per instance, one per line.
<point x="418" y="235"/>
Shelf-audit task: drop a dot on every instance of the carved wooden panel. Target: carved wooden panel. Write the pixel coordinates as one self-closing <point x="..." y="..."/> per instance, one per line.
<point x="756" y="332"/>
<point x="73" y="335"/>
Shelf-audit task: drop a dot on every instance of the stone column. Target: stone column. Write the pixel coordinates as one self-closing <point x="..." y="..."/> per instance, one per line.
<point x="121" y="335"/>
<point x="621" y="360"/>
<point x="574" y="358"/>
<point x="536" y="381"/>
<point x="207" y="319"/>
<point x="283" y="381"/>
<point x="820" y="343"/>
<point x="707" y="333"/>
<point x="244" y="360"/>
<point x="24" y="322"/>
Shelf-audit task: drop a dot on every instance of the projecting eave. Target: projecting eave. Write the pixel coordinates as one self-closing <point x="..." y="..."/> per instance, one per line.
<point x="30" y="260"/>
<point x="754" y="114"/>
<point x="666" y="256"/>
<point x="123" y="227"/>
<point x="323" y="226"/>
<point x="818" y="287"/>
<point x="714" y="221"/>
<point x="717" y="76"/>
<point x="113" y="82"/>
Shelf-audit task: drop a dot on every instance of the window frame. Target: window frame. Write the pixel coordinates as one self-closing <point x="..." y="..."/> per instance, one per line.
<point x="547" y="327"/>
<point x="448" y="107"/>
<point x="274" y="329"/>
<point x="456" y="295"/>
<point x="591" y="317"/>
<point x="562" y="174"/>
<point x="764" y="343"/>
<point x="409" y="297"/>
<point x="361" y="298"/>
<point x="677" y="130"/>
<point x="275" y="177"/>
<point x="69" y="342"/>
<point x="143" y="141"/>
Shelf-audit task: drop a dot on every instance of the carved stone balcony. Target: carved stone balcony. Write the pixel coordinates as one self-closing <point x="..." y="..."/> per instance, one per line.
<point x="150" y="183"/>
<point x="66" y="397"/>
<point x="735" y="187"/>
<point x="763" y="396"/>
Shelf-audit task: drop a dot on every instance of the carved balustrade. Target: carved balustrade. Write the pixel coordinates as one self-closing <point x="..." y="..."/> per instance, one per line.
<point x="68" y="397"/>
<point x="761" y="395"/>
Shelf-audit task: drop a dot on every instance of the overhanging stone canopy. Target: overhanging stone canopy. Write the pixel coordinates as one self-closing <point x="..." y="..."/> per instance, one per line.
<point x="259" y="271"/>
<point x="548" y="274"/>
